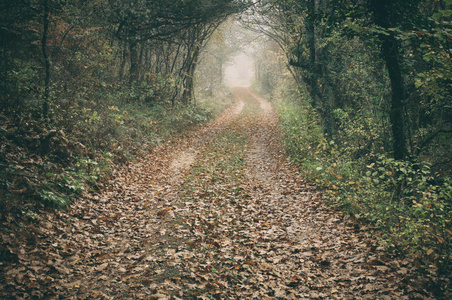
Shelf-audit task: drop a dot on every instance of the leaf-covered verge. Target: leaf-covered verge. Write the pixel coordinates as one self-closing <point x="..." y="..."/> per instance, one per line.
<point x="51" y="164"/>
<point x="219" y="213"/>
<point x="406" y="203"/>
<point x="45" y="242"/>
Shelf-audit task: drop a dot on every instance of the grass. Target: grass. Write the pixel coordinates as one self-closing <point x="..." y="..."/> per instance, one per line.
<point x="223" y="160"/>
<point x="220" y="167"/>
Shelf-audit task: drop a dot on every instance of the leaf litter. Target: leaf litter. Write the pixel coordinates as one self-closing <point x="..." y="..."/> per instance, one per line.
<point x="218" y="214"/>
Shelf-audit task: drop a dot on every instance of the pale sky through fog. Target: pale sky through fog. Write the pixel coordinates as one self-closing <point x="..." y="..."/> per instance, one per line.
<point x="240" y="71"/>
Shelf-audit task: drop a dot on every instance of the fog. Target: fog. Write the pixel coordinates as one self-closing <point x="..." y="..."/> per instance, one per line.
<point x="240" y="71"/>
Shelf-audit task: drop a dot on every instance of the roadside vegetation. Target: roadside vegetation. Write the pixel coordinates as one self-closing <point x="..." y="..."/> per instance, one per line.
<point x="54" y="164"/>
<point x="376" y="141"/>
<point x="405" y="202"/>
<point x="88" y="85"/>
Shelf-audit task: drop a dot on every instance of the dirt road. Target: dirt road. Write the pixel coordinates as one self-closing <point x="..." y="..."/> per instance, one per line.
<point x="218" y="214"/>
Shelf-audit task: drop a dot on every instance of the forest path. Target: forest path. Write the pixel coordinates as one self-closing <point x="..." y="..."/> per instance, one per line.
<point x="218" y="214"/>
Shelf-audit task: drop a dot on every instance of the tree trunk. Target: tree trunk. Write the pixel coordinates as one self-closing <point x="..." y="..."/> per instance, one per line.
<point x="123" y="62"/>
<point x="315" y="71"/>
<point x="133" y="49"/>
<point x="390" y="53"/>
<point x="45" y="106"/>
<point x="188" y="93"/>
<point x="311" y="46"/>
<point x="140" y="63"/>
<point x="313" y="65"/>
<point x="397" y="116"/>
<point x="191" y="62"/>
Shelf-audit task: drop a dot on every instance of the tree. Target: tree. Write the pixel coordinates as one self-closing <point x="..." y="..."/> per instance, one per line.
<point x="305" y="31"/>
<point x="45" y="109"/>
<point x="195" y="40"/>
<point x="385" y="14"/>
<point x="139" y="21"/>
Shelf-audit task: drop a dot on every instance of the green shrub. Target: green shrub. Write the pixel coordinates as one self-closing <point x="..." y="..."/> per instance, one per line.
<point x="56" y="161"/>
<point x="404" y="200"/>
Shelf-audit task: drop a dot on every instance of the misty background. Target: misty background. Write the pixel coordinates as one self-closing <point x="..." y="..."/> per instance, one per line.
<point x="240" y="71"/>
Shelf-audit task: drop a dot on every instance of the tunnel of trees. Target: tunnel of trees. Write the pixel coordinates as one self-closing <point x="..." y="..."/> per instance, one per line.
<point x="89" y="81"/>
<point x="369" y="82"/>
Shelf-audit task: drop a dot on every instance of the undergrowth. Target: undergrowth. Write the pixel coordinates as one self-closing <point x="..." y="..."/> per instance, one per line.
<point x="405" y="201"/>
<point x="51" y="163"/>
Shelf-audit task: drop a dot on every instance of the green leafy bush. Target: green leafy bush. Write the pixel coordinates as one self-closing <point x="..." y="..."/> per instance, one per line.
<point x="405" y="201"/>
<point x="55" y="162"/>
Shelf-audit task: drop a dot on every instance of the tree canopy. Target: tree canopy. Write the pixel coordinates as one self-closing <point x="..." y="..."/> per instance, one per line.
<point x="363" y="88"/>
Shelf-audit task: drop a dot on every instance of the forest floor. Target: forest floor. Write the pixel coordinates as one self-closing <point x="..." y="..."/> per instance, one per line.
<point x="217" y="214"/>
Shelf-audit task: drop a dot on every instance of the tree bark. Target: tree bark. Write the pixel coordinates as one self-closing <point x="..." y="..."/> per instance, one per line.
<point x="310" y="28"/>
<point x="123" y="62"/>
<point x="315" y="70"/>
<point x="188" y="93"/>
<point x="397" y="116"/>
<point x="140" y="63"/>
<point x="390" y="54"/>
<point x="45" y="106"/>
<point x="134" y="57"/>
